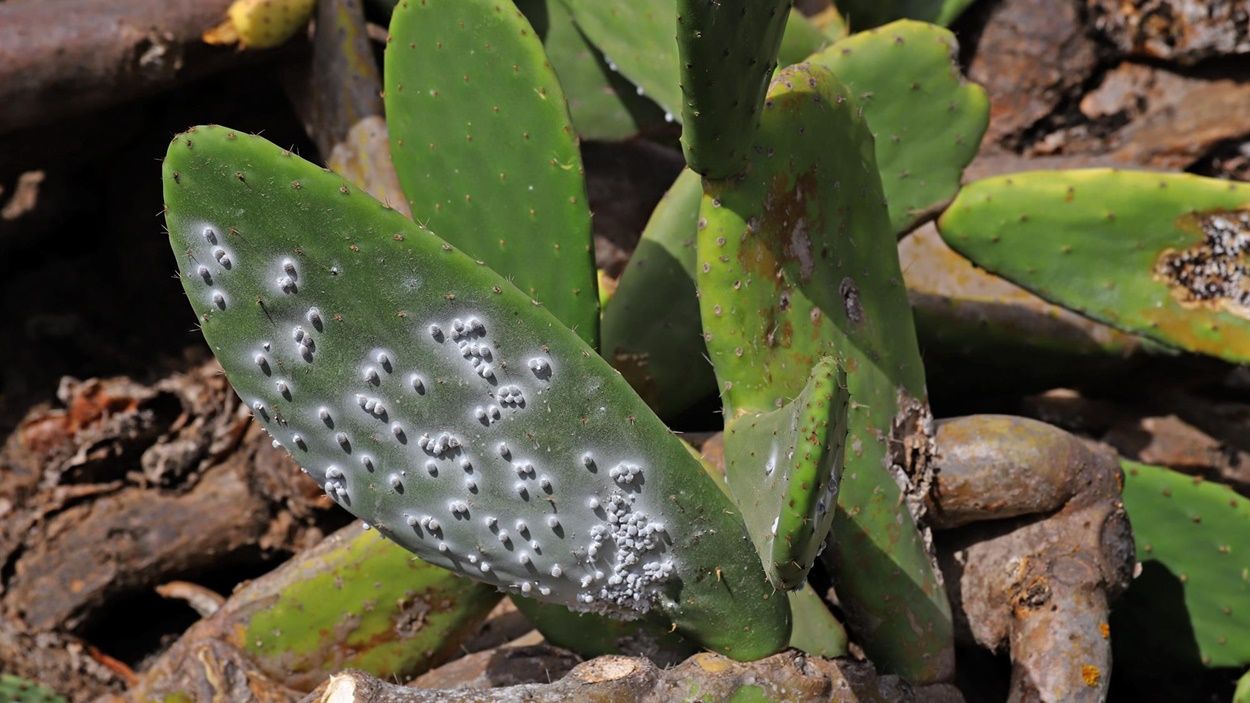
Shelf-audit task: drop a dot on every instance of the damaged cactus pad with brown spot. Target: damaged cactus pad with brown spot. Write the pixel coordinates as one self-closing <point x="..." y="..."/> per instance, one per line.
<point x="1166" y="256"/>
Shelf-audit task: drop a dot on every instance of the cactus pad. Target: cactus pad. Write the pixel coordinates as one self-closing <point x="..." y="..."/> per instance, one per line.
<point x="783" y="466"/>
<point x="651" y="328"/>
<point x="1193" y="539"/>
<point x="1166" y="256"/>
<point x="603" y="105"/>
<point x="435" y="400"/>
<point x="796" y="262"/>
<point x="485" y="152"/>
<point x="728" y="51"/>
<point x="927" y="120"/>
<point x="358" y="601"/>
<point x="639" y="39"/>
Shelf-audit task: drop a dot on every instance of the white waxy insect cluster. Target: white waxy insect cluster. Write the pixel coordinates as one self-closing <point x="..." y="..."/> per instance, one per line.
<point x="624" y="473"/>
<point x="511" y="397"/>
<point x="628" y="545"/>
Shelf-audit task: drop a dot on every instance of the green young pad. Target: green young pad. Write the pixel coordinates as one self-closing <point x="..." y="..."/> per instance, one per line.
<point x="784" y="466"/>
<point x="481" y="140"/>
<point x="1166" y="256"/>
<point x="435" y="400"/>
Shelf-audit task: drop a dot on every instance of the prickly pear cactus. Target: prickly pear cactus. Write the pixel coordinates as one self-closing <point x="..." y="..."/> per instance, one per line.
<point x="797" y="262"/>
<point x="1193" y="539"/>
<point x="1166" y="256"/>
<point x="784" y="466"/>
<point x="651" y="328"/>
<point x="14" y="689"/>
<point x="728" y="52"/>
<point x="261" y="24"/>
<point x="485" y="152"/>
<point x="435" y="400"/>
<point x="926" y="119"/>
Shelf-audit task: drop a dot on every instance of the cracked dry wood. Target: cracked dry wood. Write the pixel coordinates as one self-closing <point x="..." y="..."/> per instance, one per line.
<point x="789" y="676"/>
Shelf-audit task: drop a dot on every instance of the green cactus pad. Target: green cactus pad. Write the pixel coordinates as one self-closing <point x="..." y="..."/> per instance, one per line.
<point x="1166" y="256"/>
<point x="481" y="140"/>
<point x="14" y="689"/>
<point x="651" y="328"/>
<point x="784" y="466"/>
<point x="927" y="120"/>
<point x="727" y="51"/>
<point x="816" y="630"/>
<point x="604" y="105"/>
<point x="866" y="14"/>
<point x="1193" y="539"/>
<point x="438" y="402"/>
<point x="360" y="602"/>
<point x="797" y="261"/>
<point x="639" y="39"/>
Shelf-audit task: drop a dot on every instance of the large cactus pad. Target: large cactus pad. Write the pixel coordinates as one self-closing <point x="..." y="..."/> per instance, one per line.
<point x="435" y="400"/>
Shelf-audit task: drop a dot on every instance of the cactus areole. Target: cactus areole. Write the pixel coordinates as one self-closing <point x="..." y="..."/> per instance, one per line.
<point x="435" y="400"/>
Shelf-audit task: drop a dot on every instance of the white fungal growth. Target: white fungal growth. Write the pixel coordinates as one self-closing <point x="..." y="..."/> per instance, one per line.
<point x="343" y="441"/>
<point x="556" y="571"/>
<point x="367" y="462"/>
<point x="205" y="274"/>
<point x="324" y="413"/>
<point x="283" y="389"/>
<point x="431" y="468"/>
<point x="470" y="485"/>
<point x="417" y="383"/>
<point x="436" y="333"/>
<point x="334" y="473"/>
<point x="287" y="284"/>
<point x="219" y="299"/>
<point x="210" y="235"/>
<point x="289" y="267"/>
<point x="588" y="461"/>
<point x="540" y="366"/>
<point x="398" y="430"/>
<point x="521" y="490"/>
<point x="371" y="376"/>
<point x="259" y="408"/>
<point x="314" y="317"/>
<point x="592" y="503"/>
<point x="504" y="451"/>
<point x="261" y="361"/>
<point x="553" y="522"/>
<point x="396" y="482"/>
<point x="299" y="442"/>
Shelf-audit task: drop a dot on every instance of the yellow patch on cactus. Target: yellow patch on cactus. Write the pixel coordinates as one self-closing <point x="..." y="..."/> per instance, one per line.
<point x="261" y="24"/>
